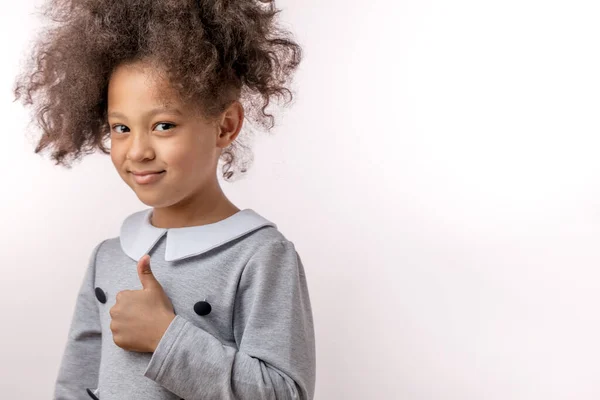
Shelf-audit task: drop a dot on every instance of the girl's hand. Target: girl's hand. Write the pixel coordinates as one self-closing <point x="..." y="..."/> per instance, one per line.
<point x="141" y="317"/>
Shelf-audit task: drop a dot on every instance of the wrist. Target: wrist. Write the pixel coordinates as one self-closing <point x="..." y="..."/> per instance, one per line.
<point x="163" y="326"/>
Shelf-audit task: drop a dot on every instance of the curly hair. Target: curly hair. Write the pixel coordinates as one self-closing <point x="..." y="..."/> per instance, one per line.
<point x="213" y="52"/>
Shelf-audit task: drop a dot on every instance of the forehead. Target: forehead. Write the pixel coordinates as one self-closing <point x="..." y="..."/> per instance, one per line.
<point x="140" y="85"/>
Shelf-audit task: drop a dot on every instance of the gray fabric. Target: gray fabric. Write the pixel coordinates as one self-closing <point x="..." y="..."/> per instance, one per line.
<point x="257" y="342"/>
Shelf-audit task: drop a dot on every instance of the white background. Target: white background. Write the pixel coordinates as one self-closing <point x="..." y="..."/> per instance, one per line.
<point x="438" y="173"/>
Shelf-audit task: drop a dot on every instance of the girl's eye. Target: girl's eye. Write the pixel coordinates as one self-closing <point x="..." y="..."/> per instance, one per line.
<point x="165" y="123"/>
<point x="117" y="126"/>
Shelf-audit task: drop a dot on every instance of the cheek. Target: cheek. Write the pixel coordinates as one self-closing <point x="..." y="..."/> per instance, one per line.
<point x="188" y="164"/>
<point x="116" y="156"/>
<point x="189" y="158"/>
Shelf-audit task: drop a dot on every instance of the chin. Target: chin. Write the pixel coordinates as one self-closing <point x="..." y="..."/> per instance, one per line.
<point x="155" y="203"/>
<point x="152" y="199"/>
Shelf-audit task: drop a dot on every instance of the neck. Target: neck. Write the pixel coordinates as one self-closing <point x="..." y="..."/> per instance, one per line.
<point x="208" y="206"/>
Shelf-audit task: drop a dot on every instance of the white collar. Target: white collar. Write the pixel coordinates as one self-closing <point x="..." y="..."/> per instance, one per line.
<point x="138" y="235"/>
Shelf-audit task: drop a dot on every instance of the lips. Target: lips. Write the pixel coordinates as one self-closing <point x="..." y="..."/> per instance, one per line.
<point x="142" y="173"/>
<point x="147" y="177"/>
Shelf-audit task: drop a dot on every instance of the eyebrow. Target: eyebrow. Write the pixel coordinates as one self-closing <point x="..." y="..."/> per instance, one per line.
<point x="116" y="114"/>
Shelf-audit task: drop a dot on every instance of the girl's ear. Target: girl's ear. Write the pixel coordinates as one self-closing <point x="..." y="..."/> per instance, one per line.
<point x="230" y="123"/>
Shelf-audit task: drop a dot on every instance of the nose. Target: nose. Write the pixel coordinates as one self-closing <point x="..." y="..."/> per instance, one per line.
<point x="140" y="147"/>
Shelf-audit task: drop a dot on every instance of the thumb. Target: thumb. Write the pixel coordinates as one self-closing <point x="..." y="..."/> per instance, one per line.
<point x="145" y="274"/>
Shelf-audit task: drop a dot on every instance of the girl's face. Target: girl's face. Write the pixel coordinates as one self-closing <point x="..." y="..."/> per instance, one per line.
<point x="154" y="134"/>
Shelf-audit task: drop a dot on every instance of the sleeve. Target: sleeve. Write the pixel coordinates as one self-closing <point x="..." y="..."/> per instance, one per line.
<point x="273" y="329"/>
<point x="81" y="358"/>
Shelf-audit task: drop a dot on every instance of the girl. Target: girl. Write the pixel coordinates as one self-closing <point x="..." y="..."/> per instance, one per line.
<point x="195" y="299"/>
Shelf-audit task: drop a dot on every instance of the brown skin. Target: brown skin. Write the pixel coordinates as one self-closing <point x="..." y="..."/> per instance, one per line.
<point x="187" y="147"/>
<point x="140" y="318"/>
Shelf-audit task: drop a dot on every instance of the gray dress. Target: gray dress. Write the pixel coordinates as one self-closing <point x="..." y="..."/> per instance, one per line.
<point x="243" y="327"/>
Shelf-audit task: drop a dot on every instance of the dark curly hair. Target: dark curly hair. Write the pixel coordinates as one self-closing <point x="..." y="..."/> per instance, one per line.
<point x="213" y="52"/>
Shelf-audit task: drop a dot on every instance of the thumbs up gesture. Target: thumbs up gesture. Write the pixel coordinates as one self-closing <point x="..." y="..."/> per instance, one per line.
<point x="139" y="318"/>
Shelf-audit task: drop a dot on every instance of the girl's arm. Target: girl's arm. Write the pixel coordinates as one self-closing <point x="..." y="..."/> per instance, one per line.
<point x="273" y="328"/>
<point x="81" y="357"/>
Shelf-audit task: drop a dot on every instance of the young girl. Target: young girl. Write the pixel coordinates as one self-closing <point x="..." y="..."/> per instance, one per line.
<point x="195" y="299"/>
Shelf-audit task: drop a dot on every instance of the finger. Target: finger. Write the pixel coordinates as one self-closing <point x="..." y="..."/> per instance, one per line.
<point x="145" y="274"/>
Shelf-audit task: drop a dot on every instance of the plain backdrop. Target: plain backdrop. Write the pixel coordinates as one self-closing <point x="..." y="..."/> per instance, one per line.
<point x="438" y="173"/>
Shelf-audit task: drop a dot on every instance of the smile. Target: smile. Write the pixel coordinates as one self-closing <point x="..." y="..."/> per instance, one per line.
<point x="147" y="178"/>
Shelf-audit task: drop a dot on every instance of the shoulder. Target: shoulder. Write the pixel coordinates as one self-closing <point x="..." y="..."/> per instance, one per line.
<point x="258" y="234"/>
<point x="267" y="235"/>
<point x="271" y="251"/>
<point x="106" y="245"/>
<point x="267" y="239"/>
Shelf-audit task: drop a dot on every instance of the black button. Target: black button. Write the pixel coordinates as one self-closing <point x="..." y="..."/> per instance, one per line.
<point x="100" y="295"/>
<point x="202" y="308"/>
